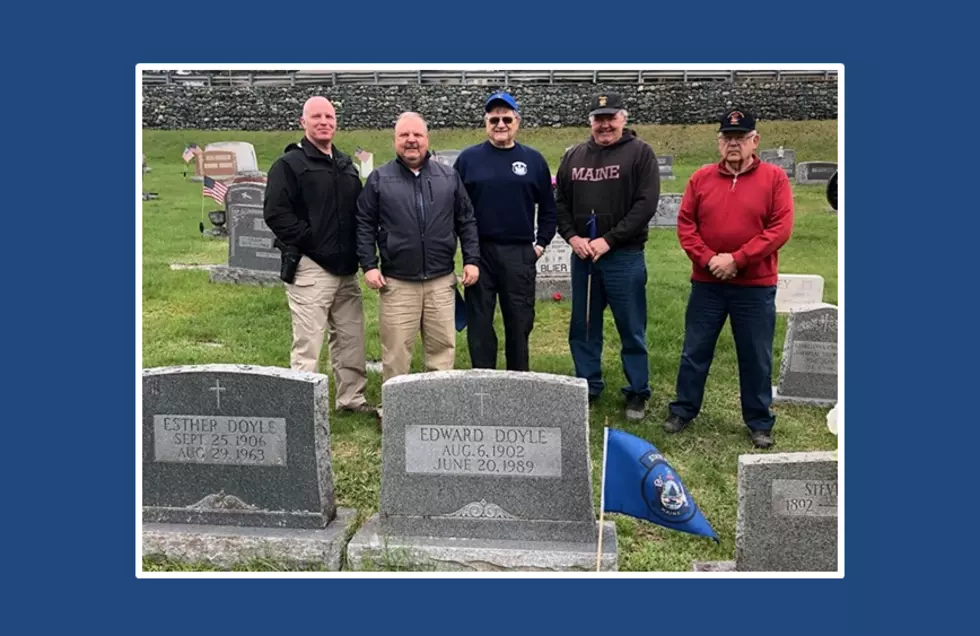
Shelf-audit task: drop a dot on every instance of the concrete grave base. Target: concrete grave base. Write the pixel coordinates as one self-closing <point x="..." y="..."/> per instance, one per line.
<point x="714" y="566"/>
<point x="370" y="551"/>
<point x="805" y="401"/>
<point x="227" y="546"/>
<point x="545" y="288"/>
<point x="239" y="276"/>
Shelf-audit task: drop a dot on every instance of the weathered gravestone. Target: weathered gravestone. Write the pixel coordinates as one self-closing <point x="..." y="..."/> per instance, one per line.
<point x="484" y="470"/>
<point x="668" y="207"/>
<point x="237" y="466"/>
<point x="253" y="258"/>
<point x="787" y="514"/>
<point x="815" y="172"/>
<point x="785" y="158"/>
<point x="808" y="370"/>
<point x="666" y="166"/>
<point x="554" y="270"/>
<point x="798" y="291"/>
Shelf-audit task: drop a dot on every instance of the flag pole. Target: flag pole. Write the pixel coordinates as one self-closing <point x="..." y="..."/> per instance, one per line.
<point x="602" y="495"/>
<point x="200" y="226"/>
<point x="588" y="285"/>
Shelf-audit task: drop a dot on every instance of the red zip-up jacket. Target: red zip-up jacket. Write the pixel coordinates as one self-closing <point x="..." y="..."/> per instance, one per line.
<point x="749" y="216"/>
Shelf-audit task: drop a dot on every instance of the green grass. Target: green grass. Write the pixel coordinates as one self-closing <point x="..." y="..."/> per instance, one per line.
<point x="187" y="320"/>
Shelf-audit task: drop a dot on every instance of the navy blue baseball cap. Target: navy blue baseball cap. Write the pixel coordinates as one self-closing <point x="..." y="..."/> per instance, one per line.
<point x="501" y="96"/>
<point x="737" y="120"/>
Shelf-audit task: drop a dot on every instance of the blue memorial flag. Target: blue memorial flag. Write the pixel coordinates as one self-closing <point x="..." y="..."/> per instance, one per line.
<point x="638" y="481"/>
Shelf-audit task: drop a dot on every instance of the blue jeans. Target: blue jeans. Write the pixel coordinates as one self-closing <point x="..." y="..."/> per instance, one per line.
<point x="619" y="281"/>
<point x="753" y="315"/>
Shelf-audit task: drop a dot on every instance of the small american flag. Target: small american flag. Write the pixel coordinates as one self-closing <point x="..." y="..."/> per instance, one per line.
<point x="215" y="189"/>
<point x="189" y="152"/>
<point x="362" y="154"/>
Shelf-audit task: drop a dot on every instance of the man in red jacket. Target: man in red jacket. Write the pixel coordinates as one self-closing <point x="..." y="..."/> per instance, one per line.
<point x="734" y="217"/>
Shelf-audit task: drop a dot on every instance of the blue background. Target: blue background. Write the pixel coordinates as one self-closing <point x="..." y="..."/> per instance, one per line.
<point x="69" y="457"/>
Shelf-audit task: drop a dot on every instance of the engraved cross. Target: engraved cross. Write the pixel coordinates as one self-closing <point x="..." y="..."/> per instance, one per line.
<point x="217" y="388"/>
<point x="481" y="401"/>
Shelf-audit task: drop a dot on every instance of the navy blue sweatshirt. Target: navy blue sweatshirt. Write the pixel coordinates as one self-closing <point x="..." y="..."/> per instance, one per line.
<point x="504" y="184"/>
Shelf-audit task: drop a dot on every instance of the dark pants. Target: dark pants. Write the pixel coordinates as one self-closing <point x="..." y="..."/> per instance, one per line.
<point x="753" y="314"/>
<point x="508" y="271"/>
<point x="619" y="281"/>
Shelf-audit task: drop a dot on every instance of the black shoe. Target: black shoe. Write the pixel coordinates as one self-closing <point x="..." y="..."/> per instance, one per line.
<point x="762" y="439"/>
<point x="675" y="424"/>
<point x="636" y="408"/>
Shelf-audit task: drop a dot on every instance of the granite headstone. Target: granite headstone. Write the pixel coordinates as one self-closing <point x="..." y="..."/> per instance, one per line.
<point x="485" y="470"/>
<point x="815" y="172"/>
<point x="554" y="270"/>
<point x="245" y="159"/>
<point x="785" y="158"/>
<point x="237" y="466"/>
<point x="798" y="291"/>
<point x="787" y="514"/>
<point x="668" y="207"/>
<point x="808" y="369"/>
<point x="666" y="165"/>
<point x="253" y="258"/>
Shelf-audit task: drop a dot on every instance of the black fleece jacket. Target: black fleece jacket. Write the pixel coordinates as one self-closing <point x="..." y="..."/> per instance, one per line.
<point x="311" y="203"/>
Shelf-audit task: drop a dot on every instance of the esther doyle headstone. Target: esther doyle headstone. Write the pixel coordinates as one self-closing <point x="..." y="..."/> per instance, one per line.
<point x="808" y="370"/>
<point x="237" y="466"/>
<point x="484" y="470"/>
<point x="253" y="258"/>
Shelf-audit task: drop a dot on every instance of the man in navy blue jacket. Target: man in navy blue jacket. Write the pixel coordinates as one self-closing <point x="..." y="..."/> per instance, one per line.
<point x="505" y="181"/>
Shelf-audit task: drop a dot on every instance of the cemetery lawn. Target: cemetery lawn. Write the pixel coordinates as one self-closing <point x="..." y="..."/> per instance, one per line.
<point x="188" y="320"/>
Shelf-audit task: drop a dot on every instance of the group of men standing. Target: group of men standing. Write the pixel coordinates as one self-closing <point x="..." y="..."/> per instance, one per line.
<point x="498" y="204"/>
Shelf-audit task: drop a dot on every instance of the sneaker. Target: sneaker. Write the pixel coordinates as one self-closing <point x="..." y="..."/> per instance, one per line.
<point x="762" y="439"/>
<point x="636" y="408"/>
<point x="675" y="424"/>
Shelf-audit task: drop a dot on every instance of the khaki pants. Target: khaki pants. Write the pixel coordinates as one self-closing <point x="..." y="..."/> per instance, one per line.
<point x="407" y="307"/>
<point x="318" y="300"/>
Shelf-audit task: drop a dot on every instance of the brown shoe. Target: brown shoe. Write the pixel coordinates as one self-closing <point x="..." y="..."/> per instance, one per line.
<point x="363" y="408"/>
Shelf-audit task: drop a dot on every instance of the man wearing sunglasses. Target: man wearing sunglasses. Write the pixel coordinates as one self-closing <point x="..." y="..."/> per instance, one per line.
<point x="607" y="192"/>
<point x="505" y="181"/>
<point x="734" y="217"/>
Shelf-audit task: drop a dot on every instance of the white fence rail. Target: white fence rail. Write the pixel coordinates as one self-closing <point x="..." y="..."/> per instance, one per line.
<point x="496" y="77"/>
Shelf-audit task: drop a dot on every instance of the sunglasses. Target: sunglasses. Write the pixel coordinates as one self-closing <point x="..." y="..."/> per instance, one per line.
<point x="496" y="120"/>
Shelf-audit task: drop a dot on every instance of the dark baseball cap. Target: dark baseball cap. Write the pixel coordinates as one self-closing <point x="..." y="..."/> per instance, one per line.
<point x="500" y="96"/>
<point x="737" y="120"/>
<point x="606" y="104"/>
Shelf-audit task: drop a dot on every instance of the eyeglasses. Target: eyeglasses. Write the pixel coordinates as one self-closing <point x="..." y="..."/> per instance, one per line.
<point x="496" y="120"/>
<point x="741" y="139"/>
